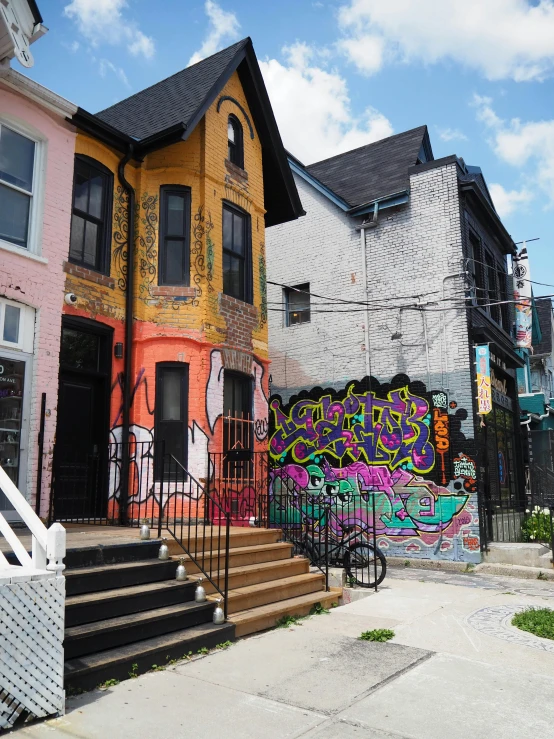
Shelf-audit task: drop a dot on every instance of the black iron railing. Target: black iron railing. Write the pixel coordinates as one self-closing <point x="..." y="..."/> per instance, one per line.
<point x="330" y="528"/>
<point x="197" y="521"/>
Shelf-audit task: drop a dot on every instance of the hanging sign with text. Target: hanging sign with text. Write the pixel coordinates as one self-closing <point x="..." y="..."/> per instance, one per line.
<point x="484" y="390"/>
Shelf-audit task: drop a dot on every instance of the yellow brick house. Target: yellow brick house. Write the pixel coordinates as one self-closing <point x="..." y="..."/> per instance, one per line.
<point x="164" y="336"/>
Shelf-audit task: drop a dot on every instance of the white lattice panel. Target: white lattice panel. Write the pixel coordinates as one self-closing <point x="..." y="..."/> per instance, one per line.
<point x="31" y="649"/>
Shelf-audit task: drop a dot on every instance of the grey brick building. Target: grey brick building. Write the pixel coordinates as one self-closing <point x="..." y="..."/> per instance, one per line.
<point x="397" y="270"/>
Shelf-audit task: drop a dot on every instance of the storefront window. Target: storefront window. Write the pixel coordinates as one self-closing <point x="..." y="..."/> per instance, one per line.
<point x="12" y="375"/>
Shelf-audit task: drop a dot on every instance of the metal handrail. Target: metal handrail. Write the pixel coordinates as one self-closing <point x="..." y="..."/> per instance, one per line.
<point x="204" y="501"/>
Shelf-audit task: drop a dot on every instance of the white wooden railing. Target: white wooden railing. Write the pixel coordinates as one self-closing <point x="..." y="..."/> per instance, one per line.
<point x="48" y="548"/>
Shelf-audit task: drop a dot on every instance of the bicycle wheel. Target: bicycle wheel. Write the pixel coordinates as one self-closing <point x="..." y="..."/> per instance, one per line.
<point x="362" y="561"/>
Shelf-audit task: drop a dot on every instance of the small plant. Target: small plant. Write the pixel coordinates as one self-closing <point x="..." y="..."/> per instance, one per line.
<point x="377" y="635"/>
<point x="507" y="592"/>
<point x="172" y="662"/>
<point x="188" y="655"/>
<point x="350" y="581"/>
<point x="203" y="650"/>
<point x="470" y="567"/>
<point x="224" y="645"/>
<point x="285" y="621"/>
<point x="71" y="691"/>
<point x="108" y="684"/>
<point x="407" y="563"/>
<point x="536" y="525"/>
<point x="334" y="605"/>
<point x="541" y="576"/>
<point x="157" y="668"/>
<point x="537" y="621"/>
<point x="317" y="609"/>
<point x="134" y="670"/>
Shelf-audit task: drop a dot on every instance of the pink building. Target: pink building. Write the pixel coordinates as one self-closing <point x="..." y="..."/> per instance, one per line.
<point x="36" y="179"/>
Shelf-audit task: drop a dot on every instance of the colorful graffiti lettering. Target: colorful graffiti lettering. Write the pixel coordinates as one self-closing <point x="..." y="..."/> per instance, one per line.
<point x="391" y="431"/>
<point x="405" y="505"/>
<point x="383" y="453"/>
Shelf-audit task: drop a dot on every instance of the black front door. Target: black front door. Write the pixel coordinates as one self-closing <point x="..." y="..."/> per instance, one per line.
<point x="81" y="452"/>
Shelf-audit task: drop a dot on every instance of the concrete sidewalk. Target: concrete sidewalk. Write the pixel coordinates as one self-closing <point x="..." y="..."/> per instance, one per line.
<point x="456" y="666"/>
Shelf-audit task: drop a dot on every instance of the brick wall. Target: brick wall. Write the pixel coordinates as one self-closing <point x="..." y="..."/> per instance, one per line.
<point x="414" y="258"/>
<point x="41" y="284"/>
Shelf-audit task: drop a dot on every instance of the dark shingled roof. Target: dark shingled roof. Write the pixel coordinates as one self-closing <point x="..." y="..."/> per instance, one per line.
<point x="171" y="101"/>
<point x="374" y="171"/>
<point x="544" y="310"/>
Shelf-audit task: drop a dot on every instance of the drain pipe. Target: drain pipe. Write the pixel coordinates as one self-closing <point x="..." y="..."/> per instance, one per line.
<point x="128" y="343"/>
<point x="364" y="277"/>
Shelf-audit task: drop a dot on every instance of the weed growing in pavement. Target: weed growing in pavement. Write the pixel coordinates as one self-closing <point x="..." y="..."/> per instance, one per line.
<point x="541" y="576"/>
<point x="377" y="635"/>
<point x="537" y="621"/>
<point x="107" y="684"/>
<point x="318" y="609"/>
<point x="224" y="645"/>
<point x="285" y="621"/>
<point x="203" y="650"/>
<point x="507" y="592"/>
<point x="134" y="670"/>
<point x="407" y="563"/>
<point x="158" y="668"/>
<point x="470" y="567"/>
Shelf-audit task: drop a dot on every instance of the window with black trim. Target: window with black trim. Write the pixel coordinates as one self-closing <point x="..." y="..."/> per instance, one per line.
<point x="237" y="254"/>
<point x="476" y="270"/>
<point x="238" y="437"/>
<point x="174" y="245"/>
<point x="297" y="301"/>
<point x="91" y="220"/>
<point x="235" y="142"/>
<point x="171" y="419"/>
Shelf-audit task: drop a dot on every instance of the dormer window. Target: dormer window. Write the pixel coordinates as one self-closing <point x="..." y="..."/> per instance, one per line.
<point x="235" y="148"/>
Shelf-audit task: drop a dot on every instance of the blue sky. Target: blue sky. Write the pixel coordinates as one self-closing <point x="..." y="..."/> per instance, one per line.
<point x="343" y="73"/>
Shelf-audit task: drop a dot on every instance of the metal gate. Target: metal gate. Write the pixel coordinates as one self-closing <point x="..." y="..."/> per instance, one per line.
<point x="239" y="475"/>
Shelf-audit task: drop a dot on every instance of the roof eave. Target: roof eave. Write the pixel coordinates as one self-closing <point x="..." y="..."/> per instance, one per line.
<point x="387" y="201"/>
<point x="298" y="169"/>
<point x="96" y="127"/>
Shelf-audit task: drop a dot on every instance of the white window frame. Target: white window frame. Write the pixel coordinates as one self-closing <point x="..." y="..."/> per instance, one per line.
<point x="34" y="241"/>
<point x="26" y="333"/>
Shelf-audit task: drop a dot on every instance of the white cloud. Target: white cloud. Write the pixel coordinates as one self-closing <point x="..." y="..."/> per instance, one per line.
<point x="223" y="25"/>
<point x="451" y="134"/>
<point x="502" y="39"/>
<point x="105" y="65"/>
<point x="313" y="109"/>
<point x="103" y="22"/>
<point x="506" y="201"/>
<point x="526" y="145"/>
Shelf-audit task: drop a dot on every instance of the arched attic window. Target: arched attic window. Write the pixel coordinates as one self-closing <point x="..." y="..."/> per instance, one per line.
<point x="235" y="146"/>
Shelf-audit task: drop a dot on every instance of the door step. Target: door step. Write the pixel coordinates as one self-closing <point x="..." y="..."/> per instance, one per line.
<point x="240" y="577"/>
<point x="119" y="575"/>
<point x="252" y="596"/>
<point x="241" y="556"/>
<point x="116" y="632"/>
<point x="89" y="607"/>
<point x="265" y="617"/>
<point x="86" y="673"/>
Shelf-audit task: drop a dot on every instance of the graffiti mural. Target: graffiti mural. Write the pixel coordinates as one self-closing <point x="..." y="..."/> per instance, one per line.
<point x="384" y="453"/>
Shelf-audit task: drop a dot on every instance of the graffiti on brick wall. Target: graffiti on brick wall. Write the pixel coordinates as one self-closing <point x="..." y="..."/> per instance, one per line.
<point x="385" y="454"/>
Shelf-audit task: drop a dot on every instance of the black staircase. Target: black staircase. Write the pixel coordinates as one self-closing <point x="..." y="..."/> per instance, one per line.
<point x="125" y="613"/>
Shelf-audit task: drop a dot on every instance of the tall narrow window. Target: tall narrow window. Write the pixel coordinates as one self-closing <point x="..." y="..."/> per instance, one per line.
<point x="171" y="420"/>
<point x="236" y="254"/>
<point x="476" y="270"/>
<point x="17" y="163"/>
<point x="297" y="301"/>
<point x="174" y="250"/>
<point x="493" y="294"/>
<point x="237" y="423"/>
<point x="90" y="224"/>
<point x="235" y="146"/>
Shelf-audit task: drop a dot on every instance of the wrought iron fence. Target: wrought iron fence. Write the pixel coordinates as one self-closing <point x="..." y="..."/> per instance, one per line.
<point x="238" y="480"/>
<point x="329" y="527"/>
